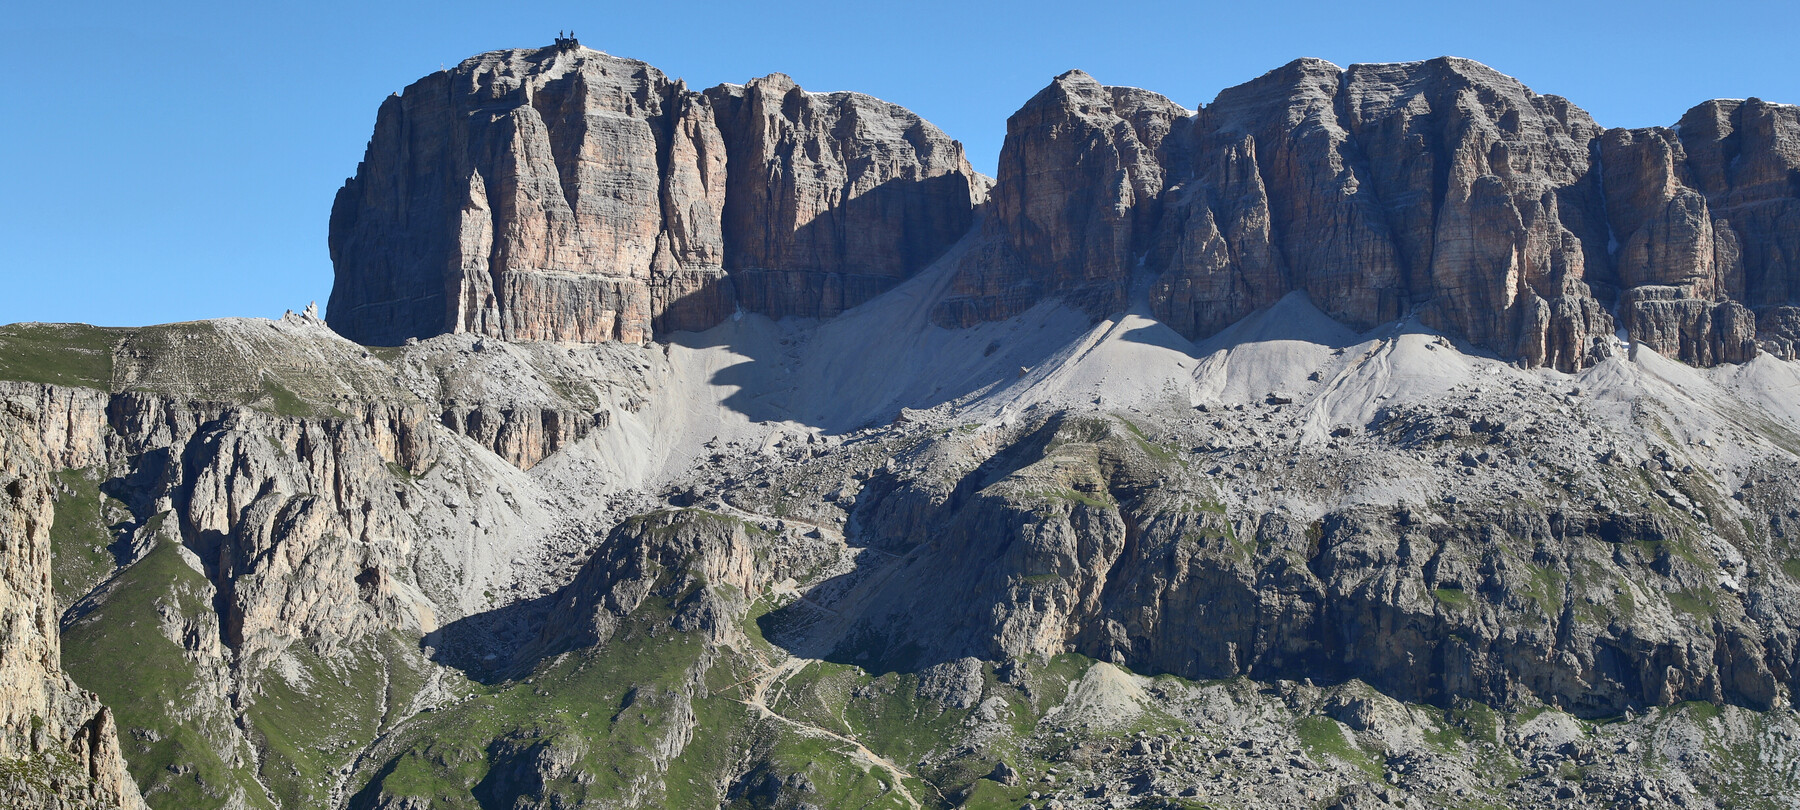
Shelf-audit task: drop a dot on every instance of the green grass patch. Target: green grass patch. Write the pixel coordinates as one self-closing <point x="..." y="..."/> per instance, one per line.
<point x="73" y="354"/>
<point x="1546" y="589"/>
<point x="1701" y="603"/>
<point x="80" y="535"/>
<point x="606" y="710"/>
<point x="175" y="740"/>
<point x="317" y="722"/>
<point x="1155" y="451"/>
<point x="285" y="402"/>
<point x="987" y="794"/>
<point x="1323" y="737"/>
<point x="1452" y="596"/>
<point x="1699" y="711"/>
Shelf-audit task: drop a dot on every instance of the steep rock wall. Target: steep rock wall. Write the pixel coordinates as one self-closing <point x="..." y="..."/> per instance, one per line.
<point x="59" y="742"/>
<point x="1440" y="188"/>
<point x="1076" y="536"/>
<point x="565" y="194"/>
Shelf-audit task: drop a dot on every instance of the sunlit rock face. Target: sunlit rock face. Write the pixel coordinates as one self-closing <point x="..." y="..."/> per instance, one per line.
<point x="1443" y="189"/>
<point x="565" y="194"/>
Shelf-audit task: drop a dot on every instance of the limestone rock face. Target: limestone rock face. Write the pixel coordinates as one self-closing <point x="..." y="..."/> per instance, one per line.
<point x="1699" y="331"/>
<point x="1743" y="156"/>
<point x="832" y="198"/>
<point x="1441" y="185"/>
<point x="1664" y="228"/>
<point x="565" y="194"/>
<point x="1705" y="217"/>
<point x="1323" y="213"/>
<point x="1488" y="191"/>
<point x="1778" y="331"/>
<point x="1081" y="175"/>
<point x="60" y="744"/>
<point x="1442" y="188"/>
<point x="523" y="436"/>
<point x="671" y="552"/>
<point x="1070" y="538"/>
<point x="270" y="504"/>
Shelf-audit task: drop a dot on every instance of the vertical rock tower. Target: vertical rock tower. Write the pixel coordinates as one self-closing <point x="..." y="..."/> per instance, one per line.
<point x="1442" y="188"/>
<point x="564" y="194"/>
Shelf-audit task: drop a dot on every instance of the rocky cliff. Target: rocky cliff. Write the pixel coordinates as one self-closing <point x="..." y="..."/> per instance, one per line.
<point x="1228" y="488"/>
<point x="1443" y="188"/>
<point x="58" y="743"/>
<point x="241" y="510"/>
<point x="565" y="194"/>
<point x="1309" y="565"/>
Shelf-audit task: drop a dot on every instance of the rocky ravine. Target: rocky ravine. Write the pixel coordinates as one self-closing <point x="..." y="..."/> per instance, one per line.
<point x="738" y="463"/>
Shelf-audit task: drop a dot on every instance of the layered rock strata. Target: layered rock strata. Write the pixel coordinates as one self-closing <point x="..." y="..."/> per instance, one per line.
<point x="565" y="194"/>
<point x="1442" y="188"/>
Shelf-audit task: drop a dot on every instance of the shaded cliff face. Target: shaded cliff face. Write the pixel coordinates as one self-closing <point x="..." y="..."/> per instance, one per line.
<point x="1081" y="534"/>
<point x="1706" y="215"/>
<point x="1443" y="189"/>
<point x="565" y="194"/>
<point x="1083" y="173"/>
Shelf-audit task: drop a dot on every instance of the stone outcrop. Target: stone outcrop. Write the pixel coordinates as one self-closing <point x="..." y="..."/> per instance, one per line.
<point x="301" y="529"/>
<point x="1442" y="188"/>
<point x="832" y="198"/>
<point x="522" y="435"/>
<point x="1082" y="172"/>
<point x="1707" y="213"/>
<point x="256" y="506"/>
<point x="1778" y="331"/>
<point x="565" y="194"/>
<point x="677" y="553"/>
<point x="58" y="743"/>
<point x="1076" y="537"/>
<point x="1672" y="323"/>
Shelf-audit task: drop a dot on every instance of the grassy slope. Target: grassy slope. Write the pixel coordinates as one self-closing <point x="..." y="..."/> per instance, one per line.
<point x="604" y="710"/>
<point x="73" y="354"/>
<point x="308" y="727"/>
<point x="80" y="535"/>
<point x="119" y="651"/>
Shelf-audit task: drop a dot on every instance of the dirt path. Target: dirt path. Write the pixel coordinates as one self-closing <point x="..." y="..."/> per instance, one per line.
<point x="776" y="677"/>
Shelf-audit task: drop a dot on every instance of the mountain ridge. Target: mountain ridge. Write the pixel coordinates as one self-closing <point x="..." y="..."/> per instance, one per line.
<point x="743" y="449"/>
<point x="1543" y="235"/>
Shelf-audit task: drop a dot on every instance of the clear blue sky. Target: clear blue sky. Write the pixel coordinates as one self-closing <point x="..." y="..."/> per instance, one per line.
<point x="171" y="161"/>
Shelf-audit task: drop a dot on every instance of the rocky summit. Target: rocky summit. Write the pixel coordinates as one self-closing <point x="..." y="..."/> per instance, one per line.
<point x="565" y="194"/>
<point x="1381" y="437"/>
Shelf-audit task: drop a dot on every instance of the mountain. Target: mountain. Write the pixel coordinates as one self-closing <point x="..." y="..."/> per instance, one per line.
<point x="625" y="207"/>
<point x="565" y="194"/>
<point x="1382" y="437"/>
